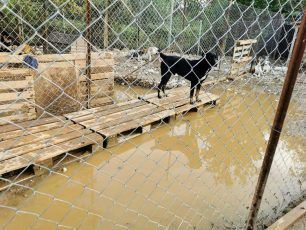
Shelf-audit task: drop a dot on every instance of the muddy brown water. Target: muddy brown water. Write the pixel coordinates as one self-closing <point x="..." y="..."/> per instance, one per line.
<point x="199" y="172"/>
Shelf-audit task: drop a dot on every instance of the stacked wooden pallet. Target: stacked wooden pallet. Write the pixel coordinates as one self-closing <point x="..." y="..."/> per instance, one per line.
<point x="119" y="122"/>
<point x="178" y="100"/>
<point x="241" y="58"/>
<point x="16" y="95"/>
<point x="100" y="86"/>
<point x="37" y="142"/>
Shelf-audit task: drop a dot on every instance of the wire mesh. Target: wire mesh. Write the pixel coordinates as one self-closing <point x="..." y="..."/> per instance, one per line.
<point x="170" y="167"/>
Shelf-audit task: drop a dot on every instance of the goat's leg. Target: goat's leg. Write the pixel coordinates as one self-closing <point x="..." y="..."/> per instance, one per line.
<point x="164" y="80"/>
<point x="198" y="92"/>
<point x="192" y="86"/>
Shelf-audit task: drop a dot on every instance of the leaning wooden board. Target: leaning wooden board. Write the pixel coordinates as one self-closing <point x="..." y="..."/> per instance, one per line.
<point x="134" y="117"/>
<point x="29" y="143"/>
<point x="178" y="100"/>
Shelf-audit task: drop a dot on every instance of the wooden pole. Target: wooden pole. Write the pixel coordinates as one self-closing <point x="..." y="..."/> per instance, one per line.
<point x="170" y="26"/>
<point x="293" y="68"/>
<point x="105" y="29"/>
<point x="88" y="54"/>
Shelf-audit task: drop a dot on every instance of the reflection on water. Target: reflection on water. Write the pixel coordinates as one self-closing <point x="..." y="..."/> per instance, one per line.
<point x="198" y="172"/>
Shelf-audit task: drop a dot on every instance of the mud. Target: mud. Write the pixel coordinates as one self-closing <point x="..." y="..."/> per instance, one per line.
<point x="197" y="173"/>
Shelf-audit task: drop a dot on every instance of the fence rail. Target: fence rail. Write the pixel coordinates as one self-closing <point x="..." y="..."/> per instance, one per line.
<point x="148" y="114"/>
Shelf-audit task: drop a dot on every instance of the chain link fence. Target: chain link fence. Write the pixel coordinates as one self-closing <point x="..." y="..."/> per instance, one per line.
<point x="86" y="143"/>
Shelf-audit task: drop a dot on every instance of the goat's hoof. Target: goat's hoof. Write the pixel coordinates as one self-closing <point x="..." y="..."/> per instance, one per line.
<point x="166" y="95"/>
<point x="192" y="102"/>
<point x="198" y="100"/>
<point x="159" y="97"/>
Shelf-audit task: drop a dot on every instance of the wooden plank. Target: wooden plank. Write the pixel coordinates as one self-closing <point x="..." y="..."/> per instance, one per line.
<point x="85" y="112"/>
<point x="16" y="95"/>
<point x="35" y="137"/>
<point x="49" y="152"/>
<point x="104" y="112"/>
<point x="239" y="48"/>
<point x="205" y="99"/>
<point x="55" y="140"/>
<point x="17" y="118"/>
<point x="16" y="112"/>
<point x="22" y="72"/>
<point x="31" y="130"/>
<point x="55" y="57"/>
<point x="98" y="76"/>
<point x="95" y="63"/>
<point x="135" y="123"/>
<point x="241" y="53"/>
<point x="9" y="85"/>
<point x="246" y="42"/>
<point x="17" y="106"/>
<point x="290" y="218"/>
<point x="122" y="117"/>
<point x="33" y="123"/>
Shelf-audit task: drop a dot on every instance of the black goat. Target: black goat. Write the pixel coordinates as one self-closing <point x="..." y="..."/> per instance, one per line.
<point x="193" y="70"/>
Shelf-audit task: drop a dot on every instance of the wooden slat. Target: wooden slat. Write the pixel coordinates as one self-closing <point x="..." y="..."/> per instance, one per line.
<point x="135" y="123"/>
<point x="124" y="116"/>
<point x="55" y="57"/>
<point x="8" y="85"/>
<point x="17" y="118"/>
<point x="28" y="124"/>
<point x="241" y="53"/>
<point x="35" y="137"/>
<point x="105" y="111"/>
<point x="17" y="95"/>
<point x="244" y="47"/>
<point x="5" y="73"/>
<point x="54" y="140"/>
<point x="290" y="218"/>
<point x="31" y="130"/>
<point x="98" y="76"/>
<point x="49" y="152"/>
<point x="246" y="42"/>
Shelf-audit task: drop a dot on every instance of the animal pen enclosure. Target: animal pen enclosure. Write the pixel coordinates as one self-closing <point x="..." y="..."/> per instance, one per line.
<point x="86" y="143"/>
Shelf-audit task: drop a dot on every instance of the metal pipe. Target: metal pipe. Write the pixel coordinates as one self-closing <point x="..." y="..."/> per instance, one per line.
<point x="291" y="76"/>
<point x="88" y="54"/>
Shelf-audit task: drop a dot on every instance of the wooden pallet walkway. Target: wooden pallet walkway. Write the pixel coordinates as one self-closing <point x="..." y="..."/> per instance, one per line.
<point x="39" y="141"/>
<point x="178" y="100"/>
<point x="122" y="121"/>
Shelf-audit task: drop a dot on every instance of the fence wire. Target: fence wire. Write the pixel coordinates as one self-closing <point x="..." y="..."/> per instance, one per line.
<point x="167" y="169"/>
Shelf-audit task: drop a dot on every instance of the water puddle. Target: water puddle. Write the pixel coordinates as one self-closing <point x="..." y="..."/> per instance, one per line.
<point x="198" y="172"/>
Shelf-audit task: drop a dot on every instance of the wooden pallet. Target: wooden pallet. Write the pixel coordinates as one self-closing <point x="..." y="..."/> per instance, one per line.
<point x="37" y="142"/>
<point x="241" y="57"/>
<point x="17" y="101"/>
<point x="178" y="100"/>
<point x="123" y="121"/>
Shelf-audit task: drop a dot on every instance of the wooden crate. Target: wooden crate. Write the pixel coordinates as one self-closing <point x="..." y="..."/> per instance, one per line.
<point x="120" y="122"/>
<point x="241" y="57"/>
<point x="16" y="95"/>
<point x="37" y="142"/>
<point x="178" y="100"/>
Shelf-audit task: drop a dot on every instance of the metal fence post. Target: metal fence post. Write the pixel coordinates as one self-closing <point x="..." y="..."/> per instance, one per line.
<point x="293" y="68"/>
<point x="171" y="21"/>
<point x="200" y="34"/>
<point x="88" y="54"/>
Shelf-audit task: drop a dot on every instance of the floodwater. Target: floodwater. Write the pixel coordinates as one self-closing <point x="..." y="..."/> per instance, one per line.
<point x="199" y="172"/>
